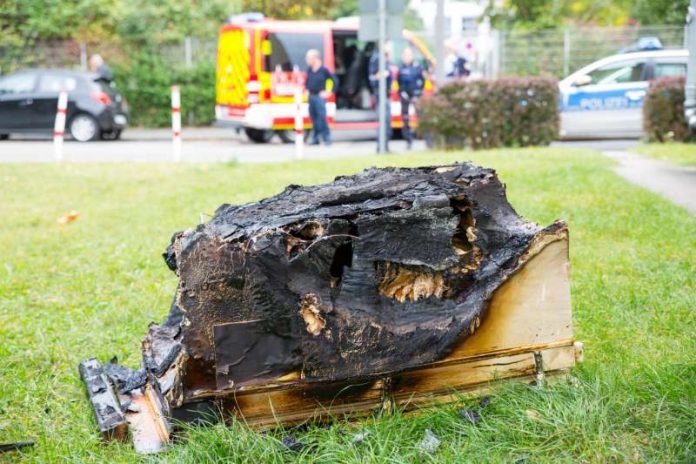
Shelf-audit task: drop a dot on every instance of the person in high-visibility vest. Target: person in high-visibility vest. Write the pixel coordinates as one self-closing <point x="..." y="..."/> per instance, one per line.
<point x="320" y="83"/>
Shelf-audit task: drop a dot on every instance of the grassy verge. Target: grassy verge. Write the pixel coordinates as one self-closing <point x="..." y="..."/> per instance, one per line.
<point x="90" y="287"/>
<point x="678" y="153"/>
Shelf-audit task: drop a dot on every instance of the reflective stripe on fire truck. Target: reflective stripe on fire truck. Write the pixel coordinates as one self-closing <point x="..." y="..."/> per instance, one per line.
<point x="233" y="68"/>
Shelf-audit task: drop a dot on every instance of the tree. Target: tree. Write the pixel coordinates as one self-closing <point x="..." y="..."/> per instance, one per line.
<point x="157" y="21"/>
<point x="660" y="11"/>
<point x="57" y="19"/>
<point x="548" y="14"/>
<point x="292" y="9"/>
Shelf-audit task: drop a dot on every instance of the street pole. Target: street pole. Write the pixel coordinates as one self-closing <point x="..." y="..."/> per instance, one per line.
<point x="566" y="51"/>
<point x="299" y="122"/>
<point x="83" y="56"/>
<point x="440" y="42"/>
<point x="188" y="52"/>
<point x="690" y="88"/>
<point x="176" y="123"/>
<point x="59" y="126"/>
<point x="382" y="97"/>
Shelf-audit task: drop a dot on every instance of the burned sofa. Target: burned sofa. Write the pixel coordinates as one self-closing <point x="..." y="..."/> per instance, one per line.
<point x="324" y="298"/>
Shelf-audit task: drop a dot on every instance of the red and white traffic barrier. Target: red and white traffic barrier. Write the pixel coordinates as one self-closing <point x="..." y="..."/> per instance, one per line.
<point x="59" y="126"/>
<point x="176" y="123"/>
<point x="299" y="124"/>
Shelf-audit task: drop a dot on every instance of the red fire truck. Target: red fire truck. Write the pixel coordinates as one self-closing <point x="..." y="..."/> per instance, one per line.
<point x="260" y="62"/>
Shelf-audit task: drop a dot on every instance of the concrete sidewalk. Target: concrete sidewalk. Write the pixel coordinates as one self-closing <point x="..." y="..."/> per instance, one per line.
<point x="677" y="184"/>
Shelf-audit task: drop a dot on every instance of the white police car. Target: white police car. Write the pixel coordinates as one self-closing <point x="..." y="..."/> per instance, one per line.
<point x="605" y="98"/>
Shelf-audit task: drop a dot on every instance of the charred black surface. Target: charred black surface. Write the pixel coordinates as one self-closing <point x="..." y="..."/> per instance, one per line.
<point x="368" y="275"/>
<point x="124" y="378"/>
<point x="111" y="420"/>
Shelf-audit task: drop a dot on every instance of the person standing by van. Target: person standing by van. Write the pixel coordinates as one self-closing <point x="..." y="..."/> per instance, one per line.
<point x="97" y="65"/>
<point x="411" y="80"/>
<point x="319" y="84"/>
<point x="456" y="66"/>
<point x="375" y="73"/>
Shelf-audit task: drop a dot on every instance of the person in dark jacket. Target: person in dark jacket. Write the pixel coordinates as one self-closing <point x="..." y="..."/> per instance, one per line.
<point x="411" y="80"/>
<point x="374" y="73"/>
<point x="97" y="65"/>
<point x="320" y="83"/>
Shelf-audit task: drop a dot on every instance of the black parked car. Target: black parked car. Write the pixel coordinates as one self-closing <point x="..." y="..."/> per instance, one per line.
<point x="28" y="102"/>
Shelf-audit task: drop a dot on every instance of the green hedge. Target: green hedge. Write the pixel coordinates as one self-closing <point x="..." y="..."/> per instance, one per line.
<point x="146" y="83"/>
<point x="663" y="111"/>
<point x="505" y="112"/>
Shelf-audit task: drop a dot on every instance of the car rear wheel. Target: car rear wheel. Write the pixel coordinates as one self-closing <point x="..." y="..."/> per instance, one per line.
<point x="4" y="136"/>
<point x="258" y="135"/>
<point x="84" y="128"/>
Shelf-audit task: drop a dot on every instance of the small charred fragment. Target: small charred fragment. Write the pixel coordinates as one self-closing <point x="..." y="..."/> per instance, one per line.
<point x="107" y="409"/>
<point x="16" y="446"/>
<point x="124" y="378"/>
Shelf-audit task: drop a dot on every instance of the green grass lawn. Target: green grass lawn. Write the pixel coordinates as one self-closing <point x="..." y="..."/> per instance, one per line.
<point x="678" y="153"/>
<point x="89" y="288"/>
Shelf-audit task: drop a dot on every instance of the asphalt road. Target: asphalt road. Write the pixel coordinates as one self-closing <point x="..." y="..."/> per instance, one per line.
<point x="199" y="145"/>
<point x="216" y="144"/>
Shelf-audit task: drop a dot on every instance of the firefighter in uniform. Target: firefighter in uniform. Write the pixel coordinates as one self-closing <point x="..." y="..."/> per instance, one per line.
<point x="319" y="84"/>
<point x="411" y="80"/>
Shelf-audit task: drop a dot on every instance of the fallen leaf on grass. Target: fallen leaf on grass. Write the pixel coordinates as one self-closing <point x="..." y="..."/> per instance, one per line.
<point x="532" y="414"/>
<point x="67" y="218"/>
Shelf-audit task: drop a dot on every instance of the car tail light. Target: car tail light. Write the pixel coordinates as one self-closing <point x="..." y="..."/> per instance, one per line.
<point x="101" y="97"/>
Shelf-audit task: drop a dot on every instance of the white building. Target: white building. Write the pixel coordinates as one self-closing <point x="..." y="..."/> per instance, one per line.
<point x="461" y="17"/>
<point x="467" y="30"/>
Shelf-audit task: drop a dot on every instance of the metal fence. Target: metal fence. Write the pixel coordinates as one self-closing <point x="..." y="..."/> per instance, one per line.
<point x="493" y="53"/>
<point x="560" y="52"/>
<point x="555" y="52"/>
<point x="73" y="54"/>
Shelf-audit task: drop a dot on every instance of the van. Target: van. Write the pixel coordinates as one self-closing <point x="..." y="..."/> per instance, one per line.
<point x="260" y="63"/>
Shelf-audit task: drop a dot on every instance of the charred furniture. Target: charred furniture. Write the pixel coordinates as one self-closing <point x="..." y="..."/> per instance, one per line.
<point x="390" y="288"/>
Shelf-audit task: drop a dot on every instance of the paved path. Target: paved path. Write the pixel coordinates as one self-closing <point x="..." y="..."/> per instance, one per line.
<point x="598" y="144"/>
<point x="677" y="184"/>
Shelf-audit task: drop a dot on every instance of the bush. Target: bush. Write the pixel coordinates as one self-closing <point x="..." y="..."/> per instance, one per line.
<point x="504" y="112"/>
<point x="146" y="83"/>
<point x="663" y="111"/>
